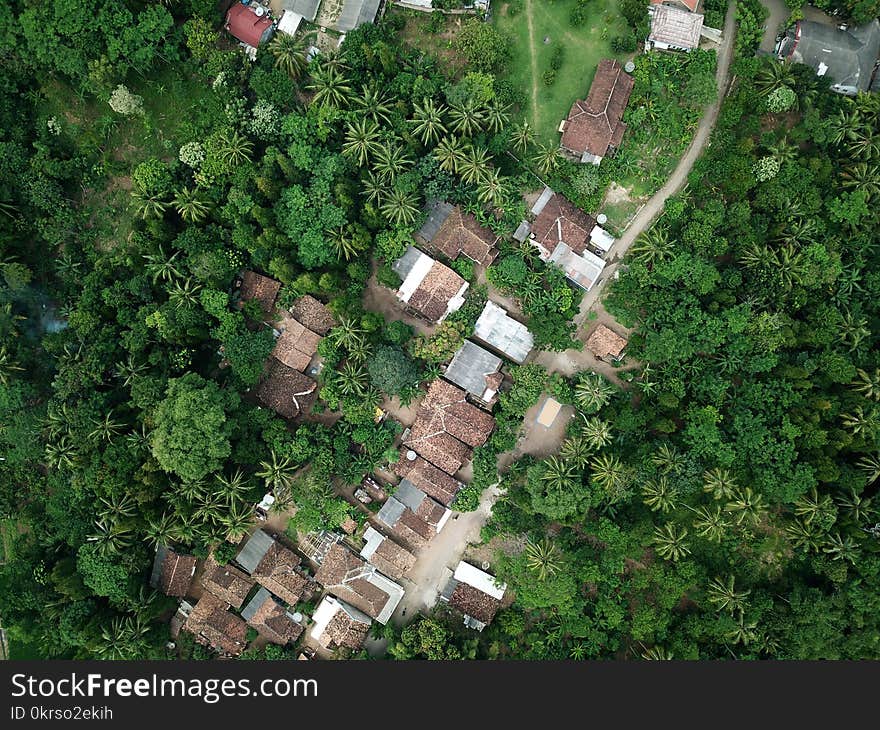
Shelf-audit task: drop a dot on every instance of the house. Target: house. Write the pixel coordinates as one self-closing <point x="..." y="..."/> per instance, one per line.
<point x="475" y="593"/>
<point x="355" y="13"/>
<point x="594" y="126"/>
<point x="313" y="314"/>
<point x="412" y="516"/>
<point x="286" y="391"/>
<point x="276" y="568"/>
<point x="430" y="289"/>
<point x="503" y="333"/>
<point x="452" y="232"/>
<point x="689" y="5"/>
<point x="172" y="572"/>
<point x="338" y="625"/>
<point x="296" y="345"/>
<point x="477" y="371"/>
<point x="846" y="56"/>
<point x="434" y="482"/>
<point x="606" y="344"/>
<point x="560" y="221"/>
<point x="674" y="29"/>
<point x="257" y="287"/>
<point x="308" y="9"/>
<point x="226" y="582"/>
<point x="271" y="619"/>
<point x="581" y="269"/>
<point x="388" y="557"/>
<point x="214" y="626"/>
<point x="351" y="578"/>
<point x="250" y="24"/>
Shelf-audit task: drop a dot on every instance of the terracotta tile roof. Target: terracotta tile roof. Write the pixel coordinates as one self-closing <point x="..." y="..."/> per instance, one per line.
<point x="216" y="627"/>
<point x="226" y="582"/>
<point x="347" y="627"/>
<point x="595" y="124"/>
<point x="259" y="287"/>
<point x="430" y="441"/>
<point x="297" y="344"/>
<point x="604" y="342"/>
<point x="313" y="314"/>
<point x="177" y="574"/>
<point x="389" y="557"/>
<point x="432" y="296"/>
<point x="691" y="5"/>
<point x="474" y="602"/>
<point x="271" y="620"/>
<point x="675" y="27"/>
<point x="279" y="573"/>
<point x="349" y="577"/>
<point x="286" y="391"/>
<point x="432" y="481"/>
<point x="460" y="233"/>
<point x="561" y="221"/>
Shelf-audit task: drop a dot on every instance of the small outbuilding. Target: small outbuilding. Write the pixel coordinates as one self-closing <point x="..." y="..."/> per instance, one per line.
<point x="606" y="344"/>
<point x="250" y="24"/>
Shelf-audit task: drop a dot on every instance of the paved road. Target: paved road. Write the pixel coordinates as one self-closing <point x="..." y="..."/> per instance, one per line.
<point x="779" y="13"/>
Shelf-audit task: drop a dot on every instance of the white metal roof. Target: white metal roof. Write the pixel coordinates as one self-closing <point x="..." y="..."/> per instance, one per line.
<point x="482" y="581"/>
<point x="496" y="328"/>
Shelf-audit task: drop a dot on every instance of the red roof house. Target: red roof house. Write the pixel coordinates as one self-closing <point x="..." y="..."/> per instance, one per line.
<point x="243" y="22"/>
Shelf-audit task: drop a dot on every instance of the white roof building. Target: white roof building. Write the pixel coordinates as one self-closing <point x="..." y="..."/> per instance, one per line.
<point x="499" y="330"/>
<point x="479" y="579"/>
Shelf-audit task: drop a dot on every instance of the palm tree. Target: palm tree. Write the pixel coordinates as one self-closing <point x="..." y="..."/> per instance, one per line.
<point x="497" y="117"/>
<point x="669" y="542"/>
<point x="162" y="531"/>
<point x="653" y="246"/>
<point x="348" y="333"/>
<point x="804" y="535"/>
<point x="427" y="121"/>
<point x="237" y="521"/>
<point x="609" y="472"/>
<point x="711" y="524"/>
<point x="855" y="507"/>
<point x="577" y="450"/>
<point x="400" y="207"/>
<point x="235" y="149"/>
<point x="592" y="392"/>
<point x="125" y="638"/>
<point x="773" y="75"/>
<point x="117" y="507"/>
<point x="492" y="189"/>
<point x="559" y="475"/>
<point x="352" y="380"/>
<point x="868" y="384"/>
<point x="8" y="366"/>
<point x="522" y="137"/>
<point x="870" y="467"/>
<point x="659" y="495"/>
<point x="191" y="206"/>
<point x="148" y="206"/>
<point x="547" y="159"/>
<point x="184" y="292"/>
<point x="390" y="161"/>
<point x="106" y="428"/>
<point x="861" y="421"/>
<point x="467" y="118"/>
<point x="474" y="165"/>
<point x="543" y="557"/>
<point x="841" y="548"/>
<point x="853" y="330"/>
<point x="162" y="266"/>
<point x="668" y="459"/>
<point x="373" y="104"/>
<point x="373" y="187"/>
<point x="724" y="596"/>
<point x="278" y="473"/>
<point x="61" y="454"/>
<point x="657" y="653"/>
<point x="450" y="153"/>
<point x="290" y="54"/>
<point x="111" y="537"/>
<point x="743" y="632"/>
<point x="361" y="140"/>
<point x="128" y="369"/>
<point x="596" y="432"/>
<point x="746" y="506"/>
<point x="343" y="244"/>
<point x="233" y="486"/>
<point x="813" y="508"/>
<point x="862" y="176"/>
<point x="330" y="85"/>
<point x="720" y="483"/>
<point x="784" y="151"/>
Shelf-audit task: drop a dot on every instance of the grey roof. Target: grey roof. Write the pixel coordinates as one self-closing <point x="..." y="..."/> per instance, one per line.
<point x="522" y="231"/>
<point x="253" y="551"/>
<point x="391" y="512"/>
<point x="355" y="13"/>
<point x="409" y="494"/>
<point x="161" y="552"/>
<point x="846" y="57"/>
<point x="438" y="212"/>
<point x="449" y="589"/>
<point x="307" y="8"/>
<point x="470" y="366"/>
<point x="546" y="194"/>
<point x="505" y="334"/>
<point x="261" y="596"/>
<point x="405" y="263"/>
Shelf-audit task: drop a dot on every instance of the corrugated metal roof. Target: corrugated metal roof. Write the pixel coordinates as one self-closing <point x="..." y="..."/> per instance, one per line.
<point x="409" y="494"/>
<point x="253" y="551"/>
<point x="470" y="366"/>
<point x="261" y="596"/>
<point x="390" y="512"/>
<point x="497" y="329"/>
<point x="307" y="8"/>
<point x="438" y="212"/>
<point x="355" y="13"/>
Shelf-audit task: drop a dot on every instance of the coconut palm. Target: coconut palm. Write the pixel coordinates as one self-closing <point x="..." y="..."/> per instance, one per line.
<point x="669" y="542"/>
<point x="352" y="380"/>
<point x="596" y="432"/>
<point x="372" y="187"/>
<point x="233" y="486"/>
<point x="852" y="330"/>
<point x="521" y="137"/>
<point x="547" y="159"/>
<point x="427" y="121"/>
<point x="390" y="161"/>
<point x="372" y="104"/>
<point x="278" y="473"/>
<point x="720" y="483"/>
<point x="497" y="117"/>
<point x="348" y="333"/>
<point x="105" y="428"/>
<point x="162" y="531"/>
<point x="185" y="292"/>
<point x="592" y="392"/>
<point x="110" y="537"/>
<point x="744" y="632"/>
<point x="467" y="118"/>
<point x="343" y="244"/>
<point x="870" y="467"/>
<point x="868" y="384"/>
<point x="148" y="206"/>
<point x="191" y="205"/>
<point x="191" y="491"/>
<point x="161" y="266"/>
<point x="492" y="189"/>
<point x="577" y="450"/>
<point x="653" y="246"/>
<point x="450" y="153"/>
<point x="841" y="548"/>
<point x="784" y="151"/>
<point x="117" y="507"/>
<point x="804" y="535"/>
<point x="543" y="557"/>
<point x="668" y="459"/>
<point x="474" y="165"/>
<point x="863" y="143"/>
<point x="290" y="54"/>
<point x="235" y="149"/>
<point x="864" y="177"/>
<point x="841" y="125"/>
<point x="813" y="508"/>
<point x="361" y="140"/>
<point x="61" y="454"/>
<point x="724" y="596"/>
<point x="559" y="474"/>
<point x="746" y="506"/>
<point x="124" y="638"/>
<point x="609" y="472"/>
<point x="773" y="75"/>
<point x="657" y="653"/>
<point x="711" y="524"/>
<point x="400" y="207"/>
<point x="659" y="495"/>
<point x="861" y="421"/>
<point x="237" y="521"/>
<point x="8" y="366"/>
<point x="332" y="88"/>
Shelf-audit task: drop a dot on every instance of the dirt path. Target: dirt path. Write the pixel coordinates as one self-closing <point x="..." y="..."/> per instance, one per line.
<point x="533" y="63"/>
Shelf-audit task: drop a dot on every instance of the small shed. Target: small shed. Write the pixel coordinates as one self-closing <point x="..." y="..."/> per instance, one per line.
<point x="605" y="343"/>
<point x="548" y="412"/>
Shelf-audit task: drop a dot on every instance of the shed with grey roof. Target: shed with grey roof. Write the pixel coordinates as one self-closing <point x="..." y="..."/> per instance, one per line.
<point x="254" y="551"/>
<point x="475" y="370"/>
<point x="355" y="13"/>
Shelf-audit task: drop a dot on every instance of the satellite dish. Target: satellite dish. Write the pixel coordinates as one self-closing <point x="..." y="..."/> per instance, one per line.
<point x="260" y="11"/>
<point x="298" y="617"/>
<point x="629" y="67"/>
<point x="411" y="455"/>
<point x="601" y="219"/>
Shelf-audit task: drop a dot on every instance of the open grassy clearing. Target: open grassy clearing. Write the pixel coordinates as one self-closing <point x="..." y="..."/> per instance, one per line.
<point x="535" y="32"/>
<point x="432" y="33"/>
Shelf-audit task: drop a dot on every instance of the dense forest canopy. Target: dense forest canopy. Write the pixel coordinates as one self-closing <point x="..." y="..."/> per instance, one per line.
<point x="722" y="505"/>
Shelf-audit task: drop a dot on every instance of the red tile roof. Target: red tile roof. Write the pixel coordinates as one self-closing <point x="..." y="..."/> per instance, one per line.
<point x="432" y="481"/>
<point x="461" y="233"/>
<point x="286" y="391"/>
<point x="226" y="582"/>
<point x="246" y="25"/>
<point x="278" y="572"/>
<point x="313" y="314"/>
<point x="297" y="344"/>
<point x="595" y="124"/>
<point x="259" y="287"/>
<point x="177" y="574"/>
<point x="604" y="342"/>
<point x="432" y="296"/>
<point x="216" y="627"/>
<point x="474" y="602"/>
<point x="561" y="221"/>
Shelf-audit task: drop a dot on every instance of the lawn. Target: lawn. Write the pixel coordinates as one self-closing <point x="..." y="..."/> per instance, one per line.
<point x="536" y="30"/>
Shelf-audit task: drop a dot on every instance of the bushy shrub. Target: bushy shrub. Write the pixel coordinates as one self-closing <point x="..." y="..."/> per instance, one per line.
<point x="624" y="43"/>
<point x="122" y="101"/>
<point x="514" y="8"/>
<point x="766" y="168"/>
<point x="192" y="154"/>
<point x="549" y="77"/>
<point x="579" y="14"/>
<point x="780" y="100"/>
<point x="152" y="177"/>
<point x="558" y="57"/>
